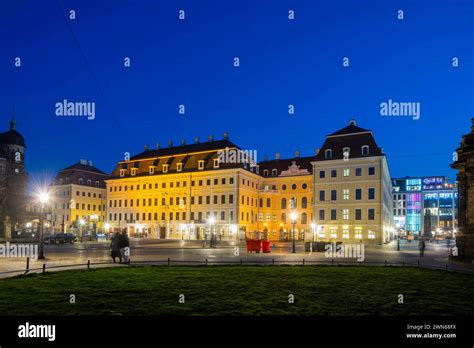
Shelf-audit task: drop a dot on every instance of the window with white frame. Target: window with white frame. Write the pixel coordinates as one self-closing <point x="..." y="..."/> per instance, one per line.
<point x="345" y="233"/>
<point x="152" y="170"/>
<point x="346" y="172"/>
<point x="358" y="233"/>
<point x="134" y="171"/>
<point x="216" y="163"/>
<point x="365" y="150"/>
<point x="265" y="172"/>
<point x="333" y="233"/>
<point x="268" y="217"/>
<point x="260" y="217"/>
<point x="346" y="153"/>
<point x="328" y="154"/>
<point x="123" y="172"/>
<point x="345" y="194"/>
<point x="274" y="172"/>
<point x="201" y="164"/>
<point x="165" y="168"/>
<point x="371" y="234"/>
<point x="179" y="167"/>
<point x="345" y="214"/>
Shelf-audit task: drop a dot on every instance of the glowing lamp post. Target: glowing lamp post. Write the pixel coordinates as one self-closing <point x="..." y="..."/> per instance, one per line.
<point x="293" y="223"/>
<point x="212" y="221"/>
<point x="43" y="198"/>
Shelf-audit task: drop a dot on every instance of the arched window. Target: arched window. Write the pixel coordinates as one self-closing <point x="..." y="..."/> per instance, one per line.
<point x="268" y="202"/>
<point x="265" y="172"/>
<point x="365" y="150"/>
<point x="283" y="203"/>
<point x="261" y="202"/>
<point x="328" y="154"/>
<point x="293" y="204"/>
<point x="274" y="172"/>
<point x="283" y="218"/>
<point x="304" y="203"/>
<point x="304" y="219"/>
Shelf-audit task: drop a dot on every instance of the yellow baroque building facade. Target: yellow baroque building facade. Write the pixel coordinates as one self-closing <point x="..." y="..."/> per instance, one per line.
<point x="192" y="191"/>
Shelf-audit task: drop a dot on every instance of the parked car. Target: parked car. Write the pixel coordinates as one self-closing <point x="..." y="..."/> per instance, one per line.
<point x="61" y="238"/>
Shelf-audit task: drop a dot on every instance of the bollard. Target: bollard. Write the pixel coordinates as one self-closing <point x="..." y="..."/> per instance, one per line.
<point x="88" y="264"/>
<point x="206" y="262"/>
<point x="27" y="265"/>
<point x="273" y="262"/>
<point x="169" y="261"/>
<point x="385" y="263"/>
<point x="303" y="262"/>
<point x="44" y="268"/>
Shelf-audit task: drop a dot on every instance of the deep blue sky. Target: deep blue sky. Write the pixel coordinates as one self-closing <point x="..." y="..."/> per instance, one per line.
<point x="282" y="62"/>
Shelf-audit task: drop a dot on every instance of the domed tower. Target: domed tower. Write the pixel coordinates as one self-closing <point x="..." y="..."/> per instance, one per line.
<point x="12" y="148"/>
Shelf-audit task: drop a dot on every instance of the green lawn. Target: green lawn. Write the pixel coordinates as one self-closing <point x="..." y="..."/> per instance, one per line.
<point x="240" y="290"/>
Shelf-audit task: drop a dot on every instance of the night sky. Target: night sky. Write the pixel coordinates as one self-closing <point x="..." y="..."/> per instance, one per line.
<point x="282" y="62"/>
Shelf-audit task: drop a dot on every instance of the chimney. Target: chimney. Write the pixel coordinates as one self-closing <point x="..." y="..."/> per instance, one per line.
<point x="145" y="147"/>
<point x="183" y="141"/>
<point x="196" y="140"/>
<point x="226" y="135"/>
<point x="297" y="153"/>
<point x="210" y="138"/>
<point x="277" y="156"/>
<point x="317" y="151"/>
<point x="170" y="143"/>
<point x="158" y="146"/>
<point x="352" y="122"/>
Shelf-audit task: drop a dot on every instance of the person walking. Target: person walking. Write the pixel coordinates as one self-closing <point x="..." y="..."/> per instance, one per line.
<point x="115" y="247"/>
<point x="422" y="246"/>
<point x="125" y="247"/>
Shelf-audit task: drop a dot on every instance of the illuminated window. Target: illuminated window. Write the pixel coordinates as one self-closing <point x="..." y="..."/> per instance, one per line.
<point x="358" y="233"/>
<point x="371" y="235"/>
<point x="201" y="165"/>
<point x="260" y="217"/>
<point x="333" y="232"/>
<point x="345" y="214"/>
<point x="321" y="233"/>
<point x="268" y="217"/>
<point x="179" y="167"/>
<point x="346" y="172"/>
<point x="345" y="233"/>
<point x="345" y="194"/>
<point x="165" y="168"/>
<point x="346" y="153"/>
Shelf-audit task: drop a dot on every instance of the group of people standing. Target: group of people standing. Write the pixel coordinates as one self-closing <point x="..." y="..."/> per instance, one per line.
<point x="120" y="247"/>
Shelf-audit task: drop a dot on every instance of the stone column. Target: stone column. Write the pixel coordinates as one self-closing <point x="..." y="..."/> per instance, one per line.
<point x="465" y="166"/>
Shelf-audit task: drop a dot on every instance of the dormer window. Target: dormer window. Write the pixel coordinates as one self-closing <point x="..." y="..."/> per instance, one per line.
<point x="216" y="163"/>
<point x="365" y="150"/>
<point x="265" y="172"/>
<point x="67" y="180"/>
<point x="201" y="164"/>
<point x="274" y="172"/>
<point x="165" y="168"/>
<point x="97" y="183"/>
<point x="89" y="182"/>
<point x="123" y="172"/>
<point x="81" y="181"/>
<point x="328" y="154"/>
<point x="151" y="170"/>
<point x="179" y="167"/>
<point x="134" y="171"/>
<point x="346" y="152"/>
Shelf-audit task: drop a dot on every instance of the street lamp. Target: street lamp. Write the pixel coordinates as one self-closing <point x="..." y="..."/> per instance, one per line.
<point x="43" y="198"/>
<point x="293" y="222"/>
<point x="212" y="221"/>
<point x="81" y="223"/>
